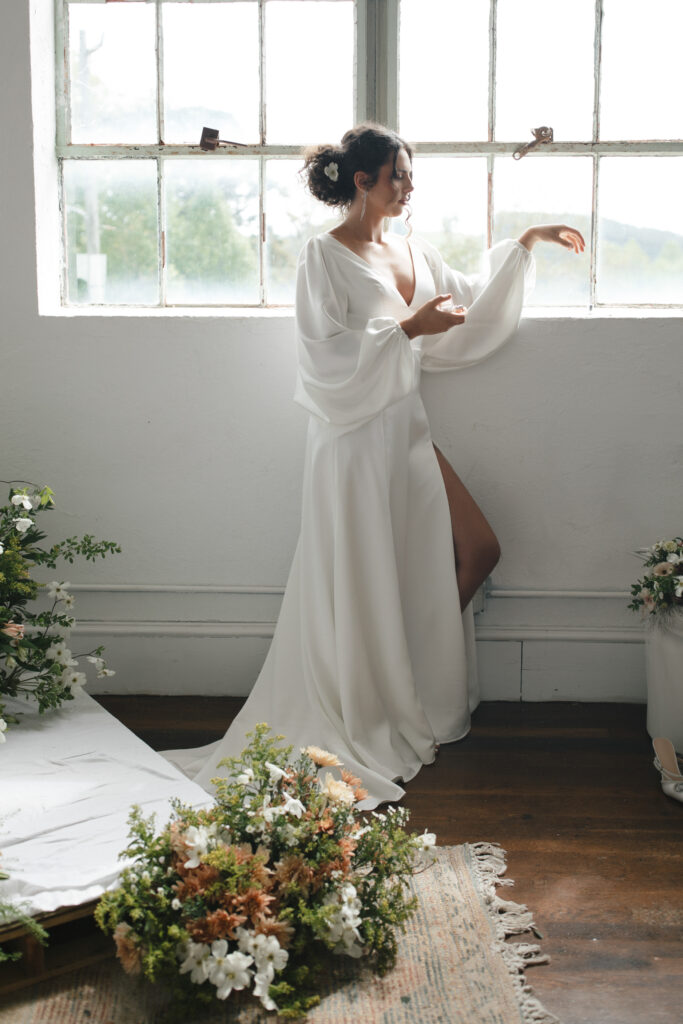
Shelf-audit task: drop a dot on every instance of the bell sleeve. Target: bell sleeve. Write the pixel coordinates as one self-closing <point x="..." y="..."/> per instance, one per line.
<point x="494" y="301"/>
<point x="350" y="366"/>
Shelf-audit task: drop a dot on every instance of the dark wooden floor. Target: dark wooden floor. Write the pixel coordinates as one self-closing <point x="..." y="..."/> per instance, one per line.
<point x="594" y="846"/>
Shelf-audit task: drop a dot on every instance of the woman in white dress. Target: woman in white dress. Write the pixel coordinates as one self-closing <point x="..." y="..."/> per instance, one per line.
<point x="373" y="654"/>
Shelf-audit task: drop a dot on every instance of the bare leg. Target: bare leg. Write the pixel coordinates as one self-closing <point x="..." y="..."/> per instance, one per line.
<point x="475" y="544"/>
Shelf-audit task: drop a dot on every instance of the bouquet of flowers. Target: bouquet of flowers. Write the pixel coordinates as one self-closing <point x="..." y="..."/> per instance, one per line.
<point x="661" y="588"/>
<point x="35" y="659"/>
<point x="255" y="893"/>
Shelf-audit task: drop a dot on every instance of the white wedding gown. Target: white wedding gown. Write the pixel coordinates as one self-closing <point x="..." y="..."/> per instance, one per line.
<point x="371" y="657"/>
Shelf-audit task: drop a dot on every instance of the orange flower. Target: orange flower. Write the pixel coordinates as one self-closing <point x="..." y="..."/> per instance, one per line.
<point x="321" y="757"/>
<point x="216" y="925"/>
<point x="282" y="930"/>
<point x="127" y="949"/>
<point x="194" y="880"/>
<point x="326" y="825"/>
<point x="355" y="784"/>
<point x="291" y="870"/>
<point x="254" y="903"/>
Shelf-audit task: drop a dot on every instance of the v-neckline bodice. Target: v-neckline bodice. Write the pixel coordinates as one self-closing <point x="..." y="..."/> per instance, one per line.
<point x="383" y="277"/>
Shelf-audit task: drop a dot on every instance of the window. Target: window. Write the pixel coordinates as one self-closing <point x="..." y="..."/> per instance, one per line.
<point x="149" y="219"/>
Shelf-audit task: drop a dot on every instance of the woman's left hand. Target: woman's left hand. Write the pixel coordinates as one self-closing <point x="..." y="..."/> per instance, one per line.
<point x="560" y="234"/>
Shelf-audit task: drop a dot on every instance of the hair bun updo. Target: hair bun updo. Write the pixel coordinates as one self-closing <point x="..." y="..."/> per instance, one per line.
<point x="329" y="171"/>
<point x="323" y="172"/>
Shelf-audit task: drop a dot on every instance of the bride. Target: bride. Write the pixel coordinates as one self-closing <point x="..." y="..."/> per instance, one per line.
<point x="373" y="654"/>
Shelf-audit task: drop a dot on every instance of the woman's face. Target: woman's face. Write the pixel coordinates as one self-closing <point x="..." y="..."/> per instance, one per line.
<point x="394" y="184"/>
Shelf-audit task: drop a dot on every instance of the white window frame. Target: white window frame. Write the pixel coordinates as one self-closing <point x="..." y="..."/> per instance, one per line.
<point x="376" y="96"/>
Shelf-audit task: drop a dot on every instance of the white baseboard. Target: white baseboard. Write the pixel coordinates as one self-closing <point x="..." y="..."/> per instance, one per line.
<point x="532" y="644"/>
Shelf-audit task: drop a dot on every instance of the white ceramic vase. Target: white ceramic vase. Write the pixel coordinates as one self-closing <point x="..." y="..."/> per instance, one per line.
<point x="664" y="662"/>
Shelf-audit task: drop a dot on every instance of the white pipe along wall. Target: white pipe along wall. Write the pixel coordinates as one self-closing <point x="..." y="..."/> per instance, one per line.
<point x="177" y="436"/>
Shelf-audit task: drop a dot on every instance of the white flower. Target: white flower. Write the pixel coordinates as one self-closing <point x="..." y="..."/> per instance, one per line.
<point x="675" y="557"/>
<point x="98" y="662"/>
<point x="245" y="940"/>
<point x="23" y="524"/>
<point x="269" y="812"/>
<point x="670" y="545"/>
<point x="332" y="171"/>
<point x="2" y="548"/>
<point x="276" y="773"/>
<point x="23" y="500"/>
<point x="58" y="651"/>
<point x="58" y="590"/>
<point x="425" y="847"/>
<point x="69" y="600"/>
<point x="290" y="834"/>
<point x="176" y="904"/>
<point x="269" y="955"/>
<point x="293" y="806"/>
<point x="196" y="960"/>
<point x="3" y="730"/>
<point x="679" y="588"/>
<point x="343" y="923"/>
<point x="246" y="778"/>
<point x="197" y="839"/>
<point x="261" y="986"/>
<point x="74" y="680"/>
<point x="10" y="662"/>
<point x="228" y="971"/>
<point x="105" y="673"/>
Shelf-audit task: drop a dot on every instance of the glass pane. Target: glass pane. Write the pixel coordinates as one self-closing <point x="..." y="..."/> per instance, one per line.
<point x="211" y="71"/>
<point x="444" y="70"/>
<point x="111" y="231"/>
<point x="544" y="68"/>
<point x="292" y="216"/>
<point x="212" y="215"/>
<point x="547" y="190"/>
<point x="640" y="234"/>
<point x="449" y="207"/>
<point x="309" y="70"/>
<point x="641" y="78"/>
<point x="113" y="73"/>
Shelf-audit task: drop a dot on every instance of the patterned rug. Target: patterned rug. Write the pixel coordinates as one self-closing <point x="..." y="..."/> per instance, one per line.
<point x="454" y="966"/>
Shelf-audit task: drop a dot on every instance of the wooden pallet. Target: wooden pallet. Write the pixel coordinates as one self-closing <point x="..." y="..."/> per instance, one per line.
<point x="74" y="941"/>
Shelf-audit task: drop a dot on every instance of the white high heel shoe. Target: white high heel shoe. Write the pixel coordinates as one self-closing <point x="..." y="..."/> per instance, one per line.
<point x="667" y="765"/>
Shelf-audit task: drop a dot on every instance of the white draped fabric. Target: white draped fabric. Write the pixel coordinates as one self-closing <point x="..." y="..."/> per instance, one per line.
<point x="371" y="657"/>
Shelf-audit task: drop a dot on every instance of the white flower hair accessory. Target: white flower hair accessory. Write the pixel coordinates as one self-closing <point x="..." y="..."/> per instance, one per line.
<point x="332" y="171"/>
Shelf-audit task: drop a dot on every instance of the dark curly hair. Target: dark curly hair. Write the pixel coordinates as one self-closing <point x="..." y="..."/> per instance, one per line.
<point x="367" y="147"/>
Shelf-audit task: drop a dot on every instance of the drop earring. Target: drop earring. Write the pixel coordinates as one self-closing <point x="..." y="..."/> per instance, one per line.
<point x="365" y="199"/>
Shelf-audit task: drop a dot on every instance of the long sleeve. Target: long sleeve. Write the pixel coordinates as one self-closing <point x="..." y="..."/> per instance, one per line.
<point x="351" y="364"/>
<point x="494" y="303"/>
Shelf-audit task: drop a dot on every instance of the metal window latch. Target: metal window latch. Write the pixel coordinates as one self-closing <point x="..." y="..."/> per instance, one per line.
<point x="210" y="141"/>
<point x="540" y="135"/>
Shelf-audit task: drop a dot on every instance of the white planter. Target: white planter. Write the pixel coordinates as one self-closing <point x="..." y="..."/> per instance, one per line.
<point x="664" y="661"/>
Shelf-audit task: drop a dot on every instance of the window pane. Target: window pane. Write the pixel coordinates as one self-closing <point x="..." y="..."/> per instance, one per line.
<point x="212" y="215"/>
<point x="211" y="71"/>
<point x="544" y="68"/>
<point x="640" y="235"/>
<point x="113" y="73"/>
<point x="551" y="190"/>
<point x="292" y="216"/>
<point x="641" y="78"/>
<point x="444" y="67"/>
<point x="449" y="207"/>
<point x="309" y="70"/>
<point x="111" y="231"/>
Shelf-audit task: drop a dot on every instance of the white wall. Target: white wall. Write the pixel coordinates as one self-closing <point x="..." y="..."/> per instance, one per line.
<point x="178" y="438"/>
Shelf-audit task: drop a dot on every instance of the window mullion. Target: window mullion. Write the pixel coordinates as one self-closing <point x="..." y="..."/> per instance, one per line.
<point x="262" y="231"/>
<point x="63" y="76"/>
<point x="361" y="65"/>
<point x="493" y="14"/>
<point x="161" y="228"/>
<point x="597" y="71"/>
<point x="160" y="73"/>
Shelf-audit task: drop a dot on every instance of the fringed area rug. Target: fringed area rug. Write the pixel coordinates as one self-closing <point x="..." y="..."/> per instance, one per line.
<point x="454" y="966"/>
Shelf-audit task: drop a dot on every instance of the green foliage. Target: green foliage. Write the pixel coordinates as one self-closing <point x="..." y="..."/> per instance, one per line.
<point x="264" y="885"/>
<point x="34" y="659"/>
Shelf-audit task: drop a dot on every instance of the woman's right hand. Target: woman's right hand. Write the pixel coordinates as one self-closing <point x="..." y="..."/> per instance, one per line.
<point x="431" y="319"/>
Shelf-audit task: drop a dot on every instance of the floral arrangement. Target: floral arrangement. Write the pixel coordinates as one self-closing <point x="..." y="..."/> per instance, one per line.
<point x="255" y="893"/>
<point x="661" y="588"/>
<point x="35" y="659"/>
